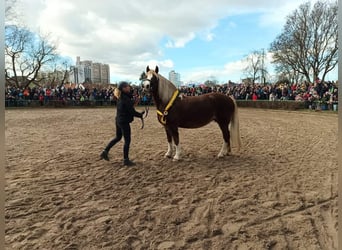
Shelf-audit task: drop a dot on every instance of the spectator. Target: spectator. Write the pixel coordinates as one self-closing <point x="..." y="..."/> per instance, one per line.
<point x="41" y="99"/>
<point x="310" y="93"/>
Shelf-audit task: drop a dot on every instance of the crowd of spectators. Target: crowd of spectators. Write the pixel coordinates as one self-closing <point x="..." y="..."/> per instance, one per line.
<point x="65" y="94"/>
<point x="311" y="93"/>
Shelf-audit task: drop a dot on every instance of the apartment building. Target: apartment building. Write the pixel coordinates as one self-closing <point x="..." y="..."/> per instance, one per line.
<point x="89" y="71"/>
<point x="174" y="77"/>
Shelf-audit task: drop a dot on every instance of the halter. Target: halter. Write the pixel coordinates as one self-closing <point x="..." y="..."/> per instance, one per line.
<point x="162" y="115"/>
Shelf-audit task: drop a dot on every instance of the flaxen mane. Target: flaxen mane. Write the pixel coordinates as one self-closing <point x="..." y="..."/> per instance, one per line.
<point x="165" y="88"/>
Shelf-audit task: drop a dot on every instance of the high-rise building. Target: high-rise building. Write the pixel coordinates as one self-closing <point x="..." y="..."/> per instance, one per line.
<point x="87" y="71"/>
<point x="105" y="75"/>
<point x="96" y="73"/>
<point x="174" y="77"/>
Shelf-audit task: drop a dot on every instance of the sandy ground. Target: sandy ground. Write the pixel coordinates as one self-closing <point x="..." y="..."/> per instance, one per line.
<point x="279" y="192"/>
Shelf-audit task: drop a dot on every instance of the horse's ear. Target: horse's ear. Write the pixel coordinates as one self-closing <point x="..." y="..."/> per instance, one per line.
<point x="147" y="69"/>
<point x="157" y="69"/>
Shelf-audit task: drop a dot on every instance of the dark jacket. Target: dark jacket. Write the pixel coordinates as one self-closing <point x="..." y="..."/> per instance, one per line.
<point x="125" y="109"/>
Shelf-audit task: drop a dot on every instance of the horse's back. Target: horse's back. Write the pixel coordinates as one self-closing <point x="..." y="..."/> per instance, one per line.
<point x="223" y="104"/>
<point x="214" y="98"/>
<point x="196" y="111"/>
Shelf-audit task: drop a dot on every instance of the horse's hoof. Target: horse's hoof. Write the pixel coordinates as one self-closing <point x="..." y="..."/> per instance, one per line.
<point x="175" y="159"/>
<point x="168" y="156"/>
<point x="220" y="155"/>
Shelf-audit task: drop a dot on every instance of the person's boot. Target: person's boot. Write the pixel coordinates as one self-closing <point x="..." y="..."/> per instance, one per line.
<point x="104" y="155"/>
<point x="128" y="163"/>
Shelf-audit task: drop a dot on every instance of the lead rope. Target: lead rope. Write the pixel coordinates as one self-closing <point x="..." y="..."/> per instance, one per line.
<point x="147" y="108"/>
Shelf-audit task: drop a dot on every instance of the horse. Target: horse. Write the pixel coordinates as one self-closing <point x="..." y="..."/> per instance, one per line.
<point x="175" y="111"/>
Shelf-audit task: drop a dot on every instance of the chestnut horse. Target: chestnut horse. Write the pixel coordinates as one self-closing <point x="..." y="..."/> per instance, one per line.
<point x="175" y="111"/>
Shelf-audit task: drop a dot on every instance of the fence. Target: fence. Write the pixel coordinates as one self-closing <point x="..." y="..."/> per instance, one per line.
<point x="286" y="105"/>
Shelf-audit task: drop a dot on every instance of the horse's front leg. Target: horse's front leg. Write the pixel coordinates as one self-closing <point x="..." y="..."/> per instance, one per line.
<point x="169" y="141"/>
<point x="175" y="136"/>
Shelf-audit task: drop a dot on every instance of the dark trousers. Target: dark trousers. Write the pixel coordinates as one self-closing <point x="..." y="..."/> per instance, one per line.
<point x="125" y="131"/>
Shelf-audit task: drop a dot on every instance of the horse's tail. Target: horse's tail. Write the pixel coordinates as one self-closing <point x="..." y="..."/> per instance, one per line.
<point x="234" y="127"/>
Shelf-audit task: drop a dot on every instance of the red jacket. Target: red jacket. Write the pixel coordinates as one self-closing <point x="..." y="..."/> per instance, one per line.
<point x="254" y="97"/>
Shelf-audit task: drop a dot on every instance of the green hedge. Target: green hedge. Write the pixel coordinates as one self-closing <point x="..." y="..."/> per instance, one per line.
<point x="287" y="105"/>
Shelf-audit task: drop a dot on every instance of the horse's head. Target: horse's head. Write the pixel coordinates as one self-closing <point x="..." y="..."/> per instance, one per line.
<point x="151" y="80"/>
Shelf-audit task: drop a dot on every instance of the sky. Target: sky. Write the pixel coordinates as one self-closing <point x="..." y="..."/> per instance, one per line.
<point x="201" y="40"/>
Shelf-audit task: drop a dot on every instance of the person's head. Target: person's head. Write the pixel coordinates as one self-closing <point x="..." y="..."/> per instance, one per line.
<point x="124" y="87"/>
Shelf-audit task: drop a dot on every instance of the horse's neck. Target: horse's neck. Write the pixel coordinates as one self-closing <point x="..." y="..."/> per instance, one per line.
<point x="157" y="101"/>
<point x="164" y="93"/>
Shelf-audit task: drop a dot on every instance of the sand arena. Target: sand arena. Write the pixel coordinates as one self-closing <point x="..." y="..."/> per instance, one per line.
<point x="279" y="192"/>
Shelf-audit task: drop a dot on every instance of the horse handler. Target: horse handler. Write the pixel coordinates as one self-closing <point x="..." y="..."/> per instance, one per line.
<point x="124" y="116"/>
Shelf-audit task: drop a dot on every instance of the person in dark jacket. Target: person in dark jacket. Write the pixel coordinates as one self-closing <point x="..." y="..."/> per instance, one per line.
<point x="124" y="116"/>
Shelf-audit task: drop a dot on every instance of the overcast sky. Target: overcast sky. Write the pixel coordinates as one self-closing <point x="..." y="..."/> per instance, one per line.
<point x="198" y="39"/>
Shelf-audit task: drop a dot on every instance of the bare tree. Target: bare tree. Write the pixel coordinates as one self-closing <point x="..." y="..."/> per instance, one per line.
<point x="285" y="72"/>
<point x="255" y="65"/>
<point x="15" y="44"/>
<point x="25" y="54"/>
<point x="308" y="44"/>
<point x="211" y="82"/>
<point x="65" y="68"/>
<point x="58" y="71"/>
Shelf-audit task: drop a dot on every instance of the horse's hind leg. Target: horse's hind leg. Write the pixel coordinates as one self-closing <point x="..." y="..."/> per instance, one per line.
<point x="169" y="141"/>
<point x="226" y="149"/>
<point x="175" y="136"/>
